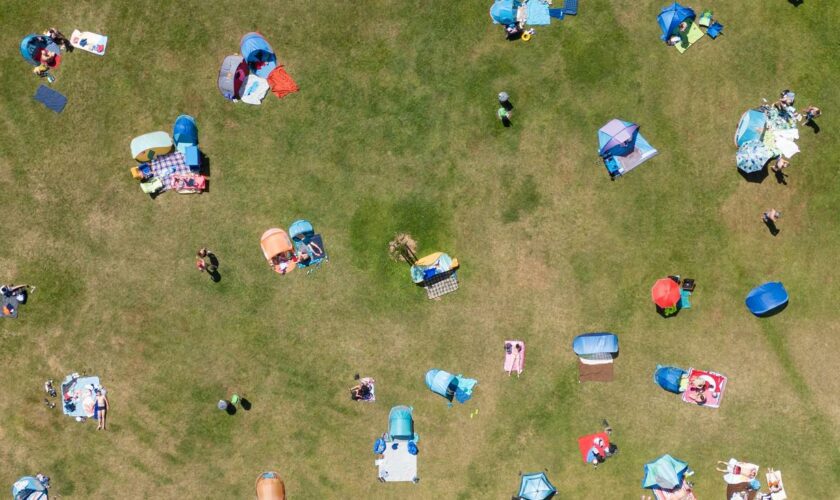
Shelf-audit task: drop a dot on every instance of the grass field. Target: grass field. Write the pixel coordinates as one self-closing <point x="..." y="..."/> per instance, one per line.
<point x="394" y="130"/>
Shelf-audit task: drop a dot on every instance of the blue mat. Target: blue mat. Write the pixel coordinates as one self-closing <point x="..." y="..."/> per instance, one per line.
<point x="570" y="7"/>
<point x="50" y="98"/>
<point x="685" y="299"/>
<point x="557" y="13"/>
<point x="538" y="14"/>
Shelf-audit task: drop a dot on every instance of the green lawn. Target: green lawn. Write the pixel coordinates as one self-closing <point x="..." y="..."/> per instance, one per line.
<point x="394" y="129"/>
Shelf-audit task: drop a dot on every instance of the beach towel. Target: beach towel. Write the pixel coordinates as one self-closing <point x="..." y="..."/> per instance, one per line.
<point x="688" y="39"/>
<point x="595" y="373"/>
<point x="50" y="98"/>
<point x="685" y="299"/>
<point x="254" y="90"/>
<point x="713" y="392"/>
<point x="89" y="42"/>
<point x="9" y="307"/>
<point x="538" y="14"/>
<point x="281" y="83"/>
<point x="684" y="492"/>
<point x="510" y="357"/>
<point x="397" y="464"/>
<point x="588" y="445"/>
<point x="775" y="484"/>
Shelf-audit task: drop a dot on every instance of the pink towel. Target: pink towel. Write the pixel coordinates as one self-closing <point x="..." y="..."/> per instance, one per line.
<point x="714" y="388"/>
<point x="511" y="363"/>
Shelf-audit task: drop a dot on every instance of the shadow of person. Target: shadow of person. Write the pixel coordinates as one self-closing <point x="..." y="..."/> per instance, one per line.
<point x="780" y="177"/>
<point x="231" y="409"/>
<point x="246" y="405"/>
<point x="796" y="3"/>
<point x="214" y="261"/>
<point x="215" y="277"/>
<point x="813" y="125"/>
<point x="507" y="105"/>
<point x="771" y="226"/>
<point x="506" y="122"/>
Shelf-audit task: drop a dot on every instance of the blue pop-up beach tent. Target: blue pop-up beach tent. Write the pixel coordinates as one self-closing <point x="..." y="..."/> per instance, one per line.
<point x="767" y="298"/>
<point x="595" y="343"/>
<point x="536" y="487"/>
<point x="29" y="488"/>
<point x="504" y="11"/>
<point x="401" y="423"/>
<point x="669" y="377"/>
<point x="670" y="18"/>
<point x="258" y="53"/>
<point x="751" y="127"/>
<point x="450" y="386"/>
<point x="666" y="473"/>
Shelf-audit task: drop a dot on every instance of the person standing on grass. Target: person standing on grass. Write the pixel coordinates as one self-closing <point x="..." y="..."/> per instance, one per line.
<point x="770" y="217"/>
<point x="206" y="261"/>
<point x="811" y="112"/>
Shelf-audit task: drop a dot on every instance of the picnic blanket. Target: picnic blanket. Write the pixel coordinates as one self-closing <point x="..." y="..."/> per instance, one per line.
<point x="538" y="14"/>
<point x="594" y="442"/>
<point x="50" y="98"/>
<point x="163" y="168"/>
<point x="715" y="387"/>
<point x="684" y="492"/>
<point x="397" y="464"/>
<point x="441" y="284"/>
<point x="78" y="396"/>
<point x="694" y="33"/>
<point x="510" y="357"/>
<point x="89" y="42"/>
<point x="8" y="307"/>
<point x="595" y="373"/>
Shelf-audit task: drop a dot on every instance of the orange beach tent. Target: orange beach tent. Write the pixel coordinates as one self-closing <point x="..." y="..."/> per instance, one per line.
<point x="270" y="487"/>
<point x="278" y="250"/>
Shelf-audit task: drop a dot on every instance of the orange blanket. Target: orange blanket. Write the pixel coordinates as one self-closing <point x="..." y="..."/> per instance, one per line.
<point x="281" y="83"/>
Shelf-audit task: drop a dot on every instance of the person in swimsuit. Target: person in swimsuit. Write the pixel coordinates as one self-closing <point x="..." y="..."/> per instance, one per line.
<point x="517" y="360"/>
<point x="101" y="408"/>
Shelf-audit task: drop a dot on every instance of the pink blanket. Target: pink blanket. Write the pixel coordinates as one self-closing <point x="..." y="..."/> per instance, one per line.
<point x="705" y="388"/>
<point x="515" y="361"/>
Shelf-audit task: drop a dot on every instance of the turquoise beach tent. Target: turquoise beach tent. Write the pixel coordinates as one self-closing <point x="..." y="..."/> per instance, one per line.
<point x="666" y="473"/>
<point x="450" y="386"/>
<point x="185" y="133"/>
<point x="258" y="53"/>
<point x="29" y="488"/>
<point x="504" y="12"/>
<point x="536" y="487"/>
<point x="767" y="298"/>
<point x="401" y="423"/>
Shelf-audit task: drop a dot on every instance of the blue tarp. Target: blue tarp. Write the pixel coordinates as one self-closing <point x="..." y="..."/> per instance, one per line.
<point x="504" y="12"/>
<point x="450" y="386"/>
<point x="668" y="378"/>
<point x="766" y="298"/>
<point x="666" y="472"/>
<point x="29" y="488"/>
<point x="536" y="487"/>
<point x="538" y="14"/>
<point x="751" y="127"/>
<point x="401" y="423"/>
<point x="258" y="54"/>
<point x="595" y="343"/>
<point x="670" y="18"/>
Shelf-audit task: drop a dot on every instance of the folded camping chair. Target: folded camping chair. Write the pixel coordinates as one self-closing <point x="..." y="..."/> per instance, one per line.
<point x="570" y="7"/>
<point x="714" y="30"/>
<point x="705" y="18"/>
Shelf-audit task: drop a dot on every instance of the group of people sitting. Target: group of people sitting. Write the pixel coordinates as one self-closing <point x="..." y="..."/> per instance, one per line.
<point x="363" y="391"/>
<point x="46" y="57"/>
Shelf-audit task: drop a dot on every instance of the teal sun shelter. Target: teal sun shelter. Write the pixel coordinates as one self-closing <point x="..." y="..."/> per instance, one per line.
<point x="450" y="386"/>
<point x="665" y="473"/>
<point x="29" y="488"/>
<point x="535" y="486"/>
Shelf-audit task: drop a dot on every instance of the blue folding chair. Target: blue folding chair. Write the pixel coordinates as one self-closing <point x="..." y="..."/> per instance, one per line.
<point x="570" y="7"/>
<point x="714" y="30"/>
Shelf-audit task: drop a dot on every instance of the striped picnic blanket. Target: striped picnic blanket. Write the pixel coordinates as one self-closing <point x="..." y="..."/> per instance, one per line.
<point x="163" y="167"/>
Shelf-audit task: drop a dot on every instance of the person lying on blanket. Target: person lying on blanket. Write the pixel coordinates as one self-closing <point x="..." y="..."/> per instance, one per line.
<point x="697" y="389"/>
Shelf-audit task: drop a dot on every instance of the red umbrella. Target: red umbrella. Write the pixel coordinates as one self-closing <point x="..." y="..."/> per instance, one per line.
<point x="665" y="293"/>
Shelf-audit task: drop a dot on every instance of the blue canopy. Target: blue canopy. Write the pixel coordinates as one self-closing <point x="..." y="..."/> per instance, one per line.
<point x="536" y="487"/>
<point x="668" y="378"/>
<point x="766" y="298"/>
<point x="401" y="423"/>
<point x="595" y="343"/>
<point x="450" y="386"/>
<point x="666" y="472"/>
<point x="258" y="54"/>
<point x="751" y="127"/>
<point x="504" y="11"/>
<point x="300" y="229"/>
<point x="752" y="156"/>
<point x="670" y="18"/>
<point x="30" y="44"/>
<point x="29" y="488"/>
<point x="185" y="132"/>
